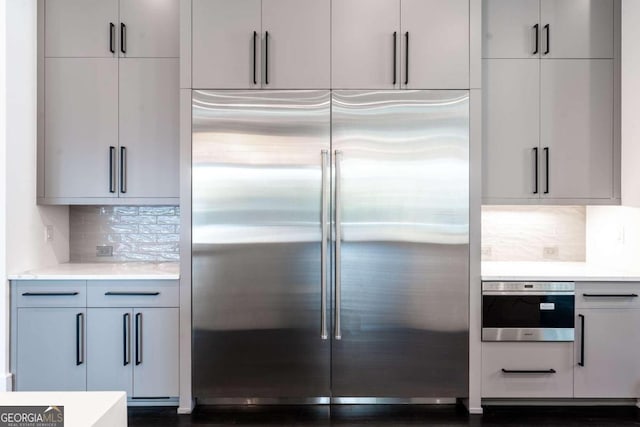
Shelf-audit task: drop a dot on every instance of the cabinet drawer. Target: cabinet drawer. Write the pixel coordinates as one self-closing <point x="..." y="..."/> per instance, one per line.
<point x="50" y="293"/>
<point x="608" y="295"/>
<point x="534" y="369"/>
<point x="133" y="293"/>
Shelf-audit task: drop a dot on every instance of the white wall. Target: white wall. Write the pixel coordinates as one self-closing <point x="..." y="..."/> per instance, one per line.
<point x="26" y="247"/>
<point x="630" y="103"/>
<point x="4" y="324"/>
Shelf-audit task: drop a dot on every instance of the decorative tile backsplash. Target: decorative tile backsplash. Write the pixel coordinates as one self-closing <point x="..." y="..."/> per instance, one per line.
<point x="534" y="233"/>
<point x="136" y="233"/>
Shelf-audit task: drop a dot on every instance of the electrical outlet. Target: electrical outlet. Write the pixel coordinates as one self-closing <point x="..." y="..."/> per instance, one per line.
<point x="550" y="252"/>
<point x="48" y="233"/>
<point x="104" y="251"/>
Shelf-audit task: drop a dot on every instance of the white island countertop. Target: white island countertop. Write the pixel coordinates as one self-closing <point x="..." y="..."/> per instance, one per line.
<point x="103" y="271"/>
<point x="564" y="271"/>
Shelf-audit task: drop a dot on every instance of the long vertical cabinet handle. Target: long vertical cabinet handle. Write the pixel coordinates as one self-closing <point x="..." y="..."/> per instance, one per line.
<point x="546" y="170"/>
<point x="266" y="57"/>
<point x="395" y="56"/>
<point x="138" y="338"/>
<point x="338" y="248"/>
<point x="112" y="169"/>
<point x="112" y="37"/>
<point x="323" y="249"/>
<point x="536" y="30"/>
<point x="548" y="31"/>
<point x="123" y="169"/>
<point x="581" y="362"/>
<point x="123" y="38"/>
<point x="255" y="41"/>
<point x="126" y="339"/>
<point x="79" y="339"/>
<point x="535" y="168"/>
<point x="406" y="58"/>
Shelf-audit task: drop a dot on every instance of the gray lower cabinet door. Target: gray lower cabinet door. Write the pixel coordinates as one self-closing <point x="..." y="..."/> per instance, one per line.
<point x="151" y="28"/>
<point x="435" y="44"/>
<point x="51" y="349"/>
<point x="363" y="54"/>
<point x="509" y="28"/>
<point x="296" y="54"/>
<point x="80" y="126"/>
<point x="577" y="28"/>
<point x="610" y="367"/>
<point x="226" y="44"/>
<point x="148" y="131"/>
<point x="576" y="129"/>
<point x="109" y="349"/>
<point x="511" y="123"/>
<point x="155" y="352"/>
<point x="80" y="28"/>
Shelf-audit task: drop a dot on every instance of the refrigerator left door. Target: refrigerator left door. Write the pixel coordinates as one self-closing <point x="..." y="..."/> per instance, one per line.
<point x="260" y="190"/>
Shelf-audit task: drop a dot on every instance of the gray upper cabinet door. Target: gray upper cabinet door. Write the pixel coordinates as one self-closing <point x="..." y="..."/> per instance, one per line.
<point x="296" y="54"/>
<point x="611" y="354"/>
<point x="363" y="54"/>
<point x="151" y="28"/>
<point x="51" y="350"/>
<point x="511" y="123"/>
<point x="226" y="44"/>
<point x="577" y="28"/>
<point x="576" y="129"/>
<point x="435" y="44"/>
<point x="509" y="28"/>
<point x="149" y="127"/>
<point x="155" y="352"/>
<point x="80" y="126"/>
<point x="81" y="28"/>
<point x="109" y="349"/>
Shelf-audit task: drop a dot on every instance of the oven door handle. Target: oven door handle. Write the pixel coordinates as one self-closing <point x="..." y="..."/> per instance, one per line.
<point x="530" y="293"/>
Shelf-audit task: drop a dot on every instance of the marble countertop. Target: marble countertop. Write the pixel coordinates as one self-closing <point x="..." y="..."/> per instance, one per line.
<point x="567" y="271"/>
<point x="103" y="271"/>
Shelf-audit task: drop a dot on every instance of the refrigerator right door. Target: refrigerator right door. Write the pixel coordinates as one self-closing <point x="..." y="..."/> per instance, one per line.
<point x="401" y="207"/>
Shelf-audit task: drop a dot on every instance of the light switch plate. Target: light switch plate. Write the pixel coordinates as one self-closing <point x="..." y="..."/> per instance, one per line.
<point x="104" y="251"/>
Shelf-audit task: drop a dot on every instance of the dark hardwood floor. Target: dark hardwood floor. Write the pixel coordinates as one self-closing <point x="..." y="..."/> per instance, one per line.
<point x="385" y="415"/>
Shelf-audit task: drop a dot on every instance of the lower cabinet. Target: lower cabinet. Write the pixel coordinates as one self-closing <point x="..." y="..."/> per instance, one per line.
<point x="133" y="349"/>
<point x="50" y="349"/>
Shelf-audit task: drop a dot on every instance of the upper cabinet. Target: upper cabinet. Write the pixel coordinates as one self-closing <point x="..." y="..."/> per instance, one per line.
<point x="149" y="29"/>
<point x="393" y="44"/>
<point x="568" y="29"/>
<point x="268" y="44"/>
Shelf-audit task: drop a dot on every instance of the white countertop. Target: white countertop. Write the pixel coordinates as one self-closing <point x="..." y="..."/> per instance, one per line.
<point x="567" y="271"/>
<point x="103" y="271"/>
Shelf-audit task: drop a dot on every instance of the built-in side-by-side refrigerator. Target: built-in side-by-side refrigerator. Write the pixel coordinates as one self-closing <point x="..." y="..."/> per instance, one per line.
<point x="330" y="245"/>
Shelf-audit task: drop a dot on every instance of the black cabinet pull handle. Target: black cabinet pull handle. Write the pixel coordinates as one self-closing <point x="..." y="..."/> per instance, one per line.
<point x="79" y="339"/>
<point x="123" y="169"/>
<point x="581" y="362"/>
<point x="548" y="30"/>
<point x="546" y="170"/>
<point x="255" y="37"/>
<point x="610" y="295"/>
<point x="138" y="338"/>
<point x="137" y="294"/>
<point x="406" y="58"/>
<point x="535" y="168"/>
<point x="112" y="37"/>
<point x="395" y="54"/>
<point x="535" y="371"/>
<point x="123" y="38"/>
<point x="49" y="294"/>
<point x="266" y="57"/>
<point x="126" y="342"/>
<point x="112" y="164"/>
<point x="536" y="29"/>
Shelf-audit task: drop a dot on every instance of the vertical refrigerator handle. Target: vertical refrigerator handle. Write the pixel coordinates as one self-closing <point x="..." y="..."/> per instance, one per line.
<point x="323" y="248"/>
<point x="338" y="248"/>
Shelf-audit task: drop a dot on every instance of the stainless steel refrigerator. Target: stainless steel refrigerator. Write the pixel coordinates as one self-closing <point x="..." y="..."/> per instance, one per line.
<point x="330" y="245"/>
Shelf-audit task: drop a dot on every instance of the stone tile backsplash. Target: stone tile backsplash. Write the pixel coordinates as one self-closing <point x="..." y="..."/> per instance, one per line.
<point x="136" y="233"/>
